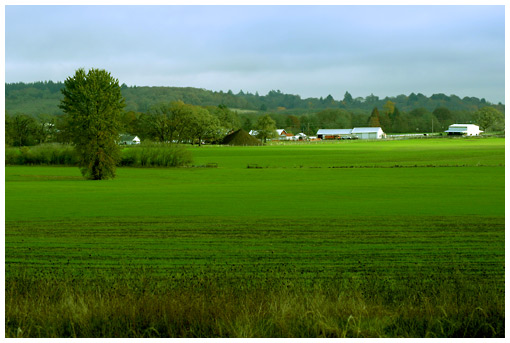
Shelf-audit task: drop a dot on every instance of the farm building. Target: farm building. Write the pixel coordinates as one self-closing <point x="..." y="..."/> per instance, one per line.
<point x="356" y="133"/>
<point x="129" y="140"/>
<point x="368" y="133"/>
<point x="300" y="137"/>
<point x="334" y="133"/>
<point x="463" y="130"/>
<point x="283" y="135"/>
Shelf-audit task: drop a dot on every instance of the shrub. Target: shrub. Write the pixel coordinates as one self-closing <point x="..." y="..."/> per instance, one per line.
<point x="46" y="154"/>
<point x="12" y="156"/>
<point x="147" y="155"/>
<point x="156" y="155"/>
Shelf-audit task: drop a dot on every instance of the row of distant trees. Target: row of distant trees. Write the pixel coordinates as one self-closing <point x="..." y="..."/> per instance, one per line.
<point x="179" y="122"/>
<point x="174" y="122"/>
<point x="39" y="97"/>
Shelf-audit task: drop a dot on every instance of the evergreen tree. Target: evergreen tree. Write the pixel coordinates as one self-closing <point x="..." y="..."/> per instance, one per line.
<point x="374" y="120"/>
<point x="348" y="98"/>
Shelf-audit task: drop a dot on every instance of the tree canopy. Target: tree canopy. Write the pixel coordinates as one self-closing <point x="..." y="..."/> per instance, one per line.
<point x="266" y="127"/>
<point x="93" y="103"/>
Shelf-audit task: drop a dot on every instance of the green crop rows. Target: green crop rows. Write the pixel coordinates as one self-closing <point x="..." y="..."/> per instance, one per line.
<point x="360" y="218"/>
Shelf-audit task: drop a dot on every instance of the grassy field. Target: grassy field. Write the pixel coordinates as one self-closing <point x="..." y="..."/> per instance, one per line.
<point x="346" y="239"/>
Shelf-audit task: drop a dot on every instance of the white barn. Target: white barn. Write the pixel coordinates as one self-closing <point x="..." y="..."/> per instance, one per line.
<point x="368" y="133"/>
<point x="357" y="132"/>
<point x="333" y="133"/>
<point x="463" y="130"/>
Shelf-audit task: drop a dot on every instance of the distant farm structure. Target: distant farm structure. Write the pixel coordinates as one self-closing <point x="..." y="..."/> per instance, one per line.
<point x="463" y="130"/>
<point x="355" y="133"/>
<point x="129" y="140"/>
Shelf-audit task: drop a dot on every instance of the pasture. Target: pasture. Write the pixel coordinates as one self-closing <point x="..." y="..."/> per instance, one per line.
<point x="355" y="239"/>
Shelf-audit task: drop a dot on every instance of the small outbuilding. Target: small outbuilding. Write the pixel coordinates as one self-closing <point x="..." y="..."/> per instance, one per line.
<point x="300" y="137"/>
<point x="129" y="140"/>
<point x="463" y="130"/>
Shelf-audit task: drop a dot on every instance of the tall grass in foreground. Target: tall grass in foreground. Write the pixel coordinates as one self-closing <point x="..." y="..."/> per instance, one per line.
<point x="139" y="304"/>
<point x="146" y="155"/>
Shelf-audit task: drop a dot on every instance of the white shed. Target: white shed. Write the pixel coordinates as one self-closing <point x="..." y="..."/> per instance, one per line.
<point x="368" y="133"/>
<point x="299" y="137"/>
<point x="464" y="130"/>
<point x="129" y="140"/>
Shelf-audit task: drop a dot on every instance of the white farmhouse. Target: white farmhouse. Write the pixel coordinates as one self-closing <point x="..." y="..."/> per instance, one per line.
<point x="283" y="135"/>
<point x="463" y="130"/>
<point x="368" y="133"/>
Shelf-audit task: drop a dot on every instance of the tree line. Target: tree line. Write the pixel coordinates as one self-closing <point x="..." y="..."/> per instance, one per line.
<point x="194" y="115"/>
<point x="43" y="97"/>
<point x="179" y="122"/>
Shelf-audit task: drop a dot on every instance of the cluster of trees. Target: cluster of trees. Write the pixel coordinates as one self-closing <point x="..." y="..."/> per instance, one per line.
<point x="167" y="122"/>
<point x="178" y="122"/>
<point x="24" y="130"/>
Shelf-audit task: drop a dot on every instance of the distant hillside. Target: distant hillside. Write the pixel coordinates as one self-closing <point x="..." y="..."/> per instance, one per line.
<point x="44" y="97"/>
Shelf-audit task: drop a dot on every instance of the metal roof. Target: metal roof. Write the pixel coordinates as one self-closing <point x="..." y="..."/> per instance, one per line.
<point x="334" y="132"/>
<point x="366" y="129"/>
<point x="464" y="125"/>
<point x="463" y="128"/>
<point x="457" y="129"/>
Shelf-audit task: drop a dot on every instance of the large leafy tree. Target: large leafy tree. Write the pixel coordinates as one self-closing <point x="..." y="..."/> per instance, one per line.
<point x="203" y="125"/>
<point x="94" y="104"/>
<point x="489" y="118"/>
<point x="266" y="127"/>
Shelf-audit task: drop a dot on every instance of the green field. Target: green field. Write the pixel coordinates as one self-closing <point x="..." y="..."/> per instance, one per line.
<point x="358" y="239"/>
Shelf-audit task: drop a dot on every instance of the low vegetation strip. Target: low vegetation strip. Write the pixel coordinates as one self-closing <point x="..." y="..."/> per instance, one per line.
<point x="225" y="277"/>
<point x="147" y="155"/>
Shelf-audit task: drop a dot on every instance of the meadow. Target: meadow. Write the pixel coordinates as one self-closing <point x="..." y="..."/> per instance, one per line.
<point x="342" y="239"/>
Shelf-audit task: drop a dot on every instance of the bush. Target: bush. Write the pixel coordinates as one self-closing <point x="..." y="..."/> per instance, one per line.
<point x="12" y="156"/>
<point x="147" y="155"/>
<point x="45" y="154"/>
<point x="156" y="155"/>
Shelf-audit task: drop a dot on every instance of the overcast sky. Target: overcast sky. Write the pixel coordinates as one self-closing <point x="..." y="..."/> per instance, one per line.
<point x="311" y="51"/>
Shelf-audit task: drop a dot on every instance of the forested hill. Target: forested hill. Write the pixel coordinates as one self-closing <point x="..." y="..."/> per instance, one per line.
<point x="44" y="97"/>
